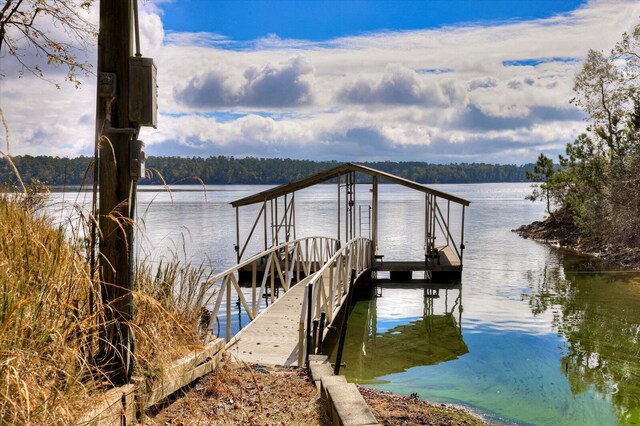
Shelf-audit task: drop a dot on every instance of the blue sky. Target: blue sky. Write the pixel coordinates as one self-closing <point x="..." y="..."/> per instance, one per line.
<point x="322" y="20"/>
<point x="437" y="81"/>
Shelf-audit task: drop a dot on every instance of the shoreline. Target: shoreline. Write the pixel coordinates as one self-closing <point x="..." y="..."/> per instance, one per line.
<point x="395" y="409"/>
<point x="561" y="232"/>
<point x="239" y="393"/>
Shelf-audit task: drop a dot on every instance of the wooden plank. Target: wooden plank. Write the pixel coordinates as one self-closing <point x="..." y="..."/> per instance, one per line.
<point x="110" y="410"/>
<point x="183" y="372"/>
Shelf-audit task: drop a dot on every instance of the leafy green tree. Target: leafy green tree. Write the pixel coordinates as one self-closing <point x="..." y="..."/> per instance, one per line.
<point x="553" y="186"/>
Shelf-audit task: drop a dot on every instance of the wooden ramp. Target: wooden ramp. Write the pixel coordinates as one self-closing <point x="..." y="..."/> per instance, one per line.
<point x="272" y="338"/>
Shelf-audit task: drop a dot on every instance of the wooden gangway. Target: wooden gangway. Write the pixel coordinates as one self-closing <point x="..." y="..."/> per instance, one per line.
<point x="273" y="337"/>
<point x="285" y="332"/>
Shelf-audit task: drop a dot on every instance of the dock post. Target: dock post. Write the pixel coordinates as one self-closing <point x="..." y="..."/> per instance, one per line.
<point x="228" y="313"/>
<point x="314" y="336"/>
<point x="309" y="308"/>
<point x="345" y="319"/>
<point x="374" y="219"/>
<point x="323" y="316"/>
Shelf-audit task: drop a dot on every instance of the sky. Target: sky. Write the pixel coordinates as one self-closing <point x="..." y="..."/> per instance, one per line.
<point x="353" y="80"/>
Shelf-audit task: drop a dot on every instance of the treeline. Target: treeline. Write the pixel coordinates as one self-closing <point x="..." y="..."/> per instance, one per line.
<point x="229" y="170"/>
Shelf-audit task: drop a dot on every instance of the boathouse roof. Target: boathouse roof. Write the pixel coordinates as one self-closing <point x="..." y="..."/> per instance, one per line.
<point x="345" y="168"/>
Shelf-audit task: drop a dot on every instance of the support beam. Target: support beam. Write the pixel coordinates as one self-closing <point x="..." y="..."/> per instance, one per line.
<point x="374" y="215"/>
<point x="264" y="207"/>
<point x="237" y="247"/>
<point x="339" y="217"/>
<point x="462" y="237"/>
<point x="346" y="207"/>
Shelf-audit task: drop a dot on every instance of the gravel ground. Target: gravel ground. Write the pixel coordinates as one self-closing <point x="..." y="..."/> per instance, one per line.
<point x="238" y="394"/>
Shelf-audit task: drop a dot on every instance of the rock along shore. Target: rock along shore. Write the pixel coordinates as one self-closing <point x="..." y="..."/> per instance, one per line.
<point x="561" y="231"/>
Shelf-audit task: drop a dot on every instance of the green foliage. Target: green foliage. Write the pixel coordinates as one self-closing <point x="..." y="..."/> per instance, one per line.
<point x="598" y="178"/>
<point x="229" y="170"/>
<point x="551" y="189"/>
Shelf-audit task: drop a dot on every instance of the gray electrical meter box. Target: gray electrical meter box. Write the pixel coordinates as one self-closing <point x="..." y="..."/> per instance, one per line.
<point x="143" y="92"/>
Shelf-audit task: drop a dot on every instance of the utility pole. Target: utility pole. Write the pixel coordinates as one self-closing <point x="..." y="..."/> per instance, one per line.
<point x="117" y="189"/>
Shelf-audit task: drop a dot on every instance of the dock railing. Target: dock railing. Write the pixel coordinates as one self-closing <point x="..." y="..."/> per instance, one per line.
<point x="327" y="290"/>
<point x="436" y="218"/>
<point x="293" y="259"/>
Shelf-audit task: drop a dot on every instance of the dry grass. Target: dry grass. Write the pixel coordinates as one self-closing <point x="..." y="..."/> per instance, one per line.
<point x="238" y="394"/>
<point x="44" y="286"/>
<point x="49" y="329"/>
<point x="168" y="301"/>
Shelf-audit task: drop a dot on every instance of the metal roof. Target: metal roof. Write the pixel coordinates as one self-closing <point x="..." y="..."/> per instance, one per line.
<point x="288" y="188"/>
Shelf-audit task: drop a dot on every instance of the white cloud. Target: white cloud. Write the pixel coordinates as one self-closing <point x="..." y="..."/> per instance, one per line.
<point x="287" y="84"/>
<point x="397" y="86"/>
<point x="448" y="94"/>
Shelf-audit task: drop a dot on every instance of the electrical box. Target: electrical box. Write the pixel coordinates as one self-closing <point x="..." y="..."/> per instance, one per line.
<point x="143" y="92"/>
<point x="138" y="160"/>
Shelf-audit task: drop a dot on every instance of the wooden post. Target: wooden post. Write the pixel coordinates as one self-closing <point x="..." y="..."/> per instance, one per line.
<point x="309" y="308"/>
<point x="265" y="225"/>
<point x="353" y="205"/>
<point x="228" y="308"/>
<point x="345" y="320"/>
<point x="286" y="268"/>
<point x="276" y="222"/>
<point x="374" y="218"/>
<point x="462" y="236"/>
<point x="339" y="180"/>
<point x="273" y="238"/>
<point x="346" y="207"/>
<point x="272" y="281"/>
<point x="286" y="219"/>
<point x="427" y="226"/>
<point x="448" y="214"/>
<point x="254" y="282"/>
<point x="116" y="189"/>
<point x="293" y="214"/>
<point x="237" y="247"/>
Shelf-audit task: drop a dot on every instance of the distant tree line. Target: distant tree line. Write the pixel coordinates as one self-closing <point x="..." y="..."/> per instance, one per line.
<point x="57" y="171"/>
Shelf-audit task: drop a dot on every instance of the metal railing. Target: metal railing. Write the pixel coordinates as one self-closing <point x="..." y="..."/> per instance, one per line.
<point x="327" y="290"/>
<point x="285" y="262"/>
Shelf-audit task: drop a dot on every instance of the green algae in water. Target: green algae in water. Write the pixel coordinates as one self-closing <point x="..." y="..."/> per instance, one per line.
<point x="573" y="359"/>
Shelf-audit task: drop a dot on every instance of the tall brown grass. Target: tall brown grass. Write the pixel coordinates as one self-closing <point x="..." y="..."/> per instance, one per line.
<point x="49" y="330"/>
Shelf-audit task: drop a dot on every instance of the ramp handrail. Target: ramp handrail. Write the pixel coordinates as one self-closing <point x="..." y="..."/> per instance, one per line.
<point x="284" y="261"/>
<point x="328" y="297"/>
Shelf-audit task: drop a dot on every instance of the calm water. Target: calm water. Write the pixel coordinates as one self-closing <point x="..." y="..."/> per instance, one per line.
<point x="533" y="335"/>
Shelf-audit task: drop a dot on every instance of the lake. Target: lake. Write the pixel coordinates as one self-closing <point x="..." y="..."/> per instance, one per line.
<point x="533" y="335"/>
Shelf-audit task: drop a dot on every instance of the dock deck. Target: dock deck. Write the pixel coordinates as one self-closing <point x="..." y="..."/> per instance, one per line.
<point x="448" y="265"/>
<point x="272" y="338"/>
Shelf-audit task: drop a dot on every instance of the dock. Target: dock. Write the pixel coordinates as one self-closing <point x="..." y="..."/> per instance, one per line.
<point x="311" y="276"/>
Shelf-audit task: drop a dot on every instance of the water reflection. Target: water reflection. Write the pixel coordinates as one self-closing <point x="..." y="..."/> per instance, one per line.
<point x="598" y="314"/>
<point x="387" y="335"/>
